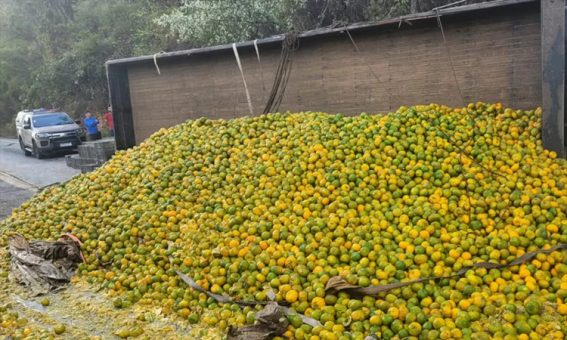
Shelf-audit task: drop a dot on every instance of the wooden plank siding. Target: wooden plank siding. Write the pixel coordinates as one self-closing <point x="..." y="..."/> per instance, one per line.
<point x="496" y="57"/>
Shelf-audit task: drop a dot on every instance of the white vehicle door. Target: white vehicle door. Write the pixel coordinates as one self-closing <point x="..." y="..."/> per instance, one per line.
<point x="27" y="133"/>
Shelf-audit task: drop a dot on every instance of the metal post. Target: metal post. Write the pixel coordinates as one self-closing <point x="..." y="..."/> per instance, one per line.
<point x="119" y="91"/>
<point x="553" y="75"/>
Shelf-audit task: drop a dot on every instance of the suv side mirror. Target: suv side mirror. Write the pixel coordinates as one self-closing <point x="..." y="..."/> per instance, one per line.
<point x="27" y="125"/>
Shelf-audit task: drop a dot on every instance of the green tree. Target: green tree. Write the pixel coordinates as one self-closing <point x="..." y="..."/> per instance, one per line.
<point x="102" y="30"/>
<point x="203" y="22"/>
<point x="52" y="52"/>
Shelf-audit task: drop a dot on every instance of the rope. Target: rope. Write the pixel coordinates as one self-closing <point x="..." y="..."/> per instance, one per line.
<point x="289" y="45"/>
<point x="462" y="151"/>
<point x="450" y="58"/>
<point x="448" y="5"/>
<point x="292" y="44"/>
<point x="367" y="63"/>
<point x="260" y="63"/>
<point x="440" y="24"/>
<point x="155" y="62"/>
<point x="337" y="283"/>
<point x="243" y="79"/>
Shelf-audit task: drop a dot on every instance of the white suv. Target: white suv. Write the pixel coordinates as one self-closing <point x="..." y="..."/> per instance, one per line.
<point x="41" y="132"/>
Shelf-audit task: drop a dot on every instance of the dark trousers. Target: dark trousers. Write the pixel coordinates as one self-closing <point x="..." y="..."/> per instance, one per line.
<point x="94" y="136"/>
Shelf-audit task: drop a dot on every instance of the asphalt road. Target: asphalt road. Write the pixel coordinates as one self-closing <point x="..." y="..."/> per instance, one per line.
<point x="37" y="172"/>
<point x="12" y="196"/>
<point x="21" y="176"/>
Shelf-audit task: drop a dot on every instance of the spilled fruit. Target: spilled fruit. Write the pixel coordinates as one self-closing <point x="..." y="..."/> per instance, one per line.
<point x="283" y="202"/>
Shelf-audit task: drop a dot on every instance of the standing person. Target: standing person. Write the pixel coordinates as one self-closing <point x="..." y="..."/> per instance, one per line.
<point x="91" y="124"/>
<point x="109" y="122"/>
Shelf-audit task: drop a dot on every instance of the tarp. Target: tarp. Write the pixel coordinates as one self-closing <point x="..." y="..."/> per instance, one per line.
<point x="44" y="266"/>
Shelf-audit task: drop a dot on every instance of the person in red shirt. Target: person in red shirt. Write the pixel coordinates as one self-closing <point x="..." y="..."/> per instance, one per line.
<point x="109" y="122"/>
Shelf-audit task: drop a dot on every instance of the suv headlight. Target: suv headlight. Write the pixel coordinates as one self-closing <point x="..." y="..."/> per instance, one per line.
<point x="42" y="135"/>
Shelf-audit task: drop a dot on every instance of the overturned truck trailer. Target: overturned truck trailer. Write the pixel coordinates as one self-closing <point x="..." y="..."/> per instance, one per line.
<point x="509" y="51"/>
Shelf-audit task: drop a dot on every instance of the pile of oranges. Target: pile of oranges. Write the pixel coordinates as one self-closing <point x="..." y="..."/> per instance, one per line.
<point x="283" y="202"/>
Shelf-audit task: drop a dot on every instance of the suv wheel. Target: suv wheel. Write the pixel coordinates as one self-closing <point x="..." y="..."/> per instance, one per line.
<point x="37" y="154"/>
<point x="23" y="147"/>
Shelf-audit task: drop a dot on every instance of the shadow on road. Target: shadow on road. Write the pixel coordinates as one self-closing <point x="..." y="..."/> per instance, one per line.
<point x="59" y="154"/>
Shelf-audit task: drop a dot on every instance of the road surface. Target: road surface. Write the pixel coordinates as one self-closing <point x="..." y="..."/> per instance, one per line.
<point x="12" y="196"/>
<point x="21" y="176"/>
<point x="37" y="172"/>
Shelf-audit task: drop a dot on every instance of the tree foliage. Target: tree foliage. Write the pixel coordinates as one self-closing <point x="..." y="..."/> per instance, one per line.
<point x="52" y="52"/>
<point x="203" y="22"/>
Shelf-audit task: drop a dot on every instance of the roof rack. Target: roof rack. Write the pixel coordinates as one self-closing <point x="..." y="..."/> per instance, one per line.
<point x="42" y="110"/>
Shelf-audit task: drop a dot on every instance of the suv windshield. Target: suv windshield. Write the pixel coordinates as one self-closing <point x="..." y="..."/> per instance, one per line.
<point x="51" y="119"/>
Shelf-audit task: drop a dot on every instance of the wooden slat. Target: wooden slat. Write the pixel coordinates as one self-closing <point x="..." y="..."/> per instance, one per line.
<point x="496" y="58"/>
